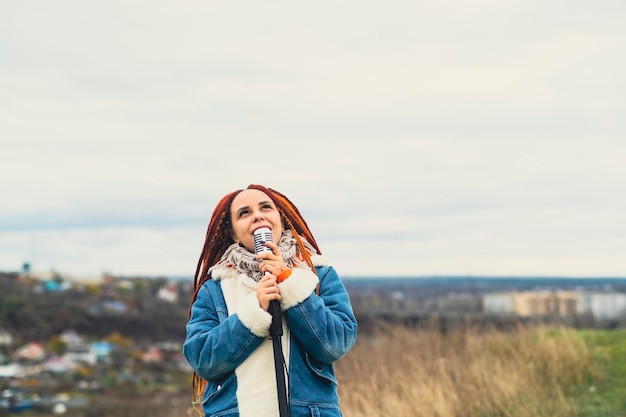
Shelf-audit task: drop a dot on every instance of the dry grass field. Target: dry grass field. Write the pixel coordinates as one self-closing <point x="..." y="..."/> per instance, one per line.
<point x="402" y="372"/>
<point x="397" y="371"/>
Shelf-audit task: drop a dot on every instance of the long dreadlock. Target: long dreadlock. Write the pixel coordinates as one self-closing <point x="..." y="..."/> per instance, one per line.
<point x="219" y="238"/>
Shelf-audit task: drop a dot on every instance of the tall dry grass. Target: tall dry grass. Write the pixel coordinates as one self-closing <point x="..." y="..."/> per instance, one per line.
<point x="401" y="372"/>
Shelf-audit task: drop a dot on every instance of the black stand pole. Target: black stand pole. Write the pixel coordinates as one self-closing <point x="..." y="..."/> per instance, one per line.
<point x="276" y="331"/>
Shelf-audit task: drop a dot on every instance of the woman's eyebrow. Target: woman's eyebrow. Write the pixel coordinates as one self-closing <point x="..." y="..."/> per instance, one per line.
<point x="240" y="209"/>
<point x="261" y="203"/>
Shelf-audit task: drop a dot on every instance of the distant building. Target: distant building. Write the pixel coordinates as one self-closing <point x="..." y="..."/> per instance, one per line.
<point x="6" y="338"/>
<point x="601" y="306"/>
<point x="545" y="303"/>
<point x="532" y="303"/>
<point x="81" y="353"/>
<point x="152" y="355"/>
<point x="168" y="293"/>
<point x="11" y="370"/>
<point x="58" y="365"/>
<point x="31" y="351"/>
<point x="71" y="337"/>
<point x="498" y="303"/>
<point x="114" y="307"/>
<point x="26" y="269"/>
<point x="102" y="350"/>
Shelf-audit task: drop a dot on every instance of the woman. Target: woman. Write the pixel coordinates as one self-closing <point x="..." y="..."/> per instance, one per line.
<point x="227" y="340"/>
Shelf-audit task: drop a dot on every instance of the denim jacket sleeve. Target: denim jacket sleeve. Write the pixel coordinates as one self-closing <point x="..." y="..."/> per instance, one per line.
<point x="216" y="343"/>
<point x="324" y="325"/>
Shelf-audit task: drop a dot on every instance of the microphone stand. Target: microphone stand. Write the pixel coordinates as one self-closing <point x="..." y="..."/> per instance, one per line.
<point x="276" y="331"/>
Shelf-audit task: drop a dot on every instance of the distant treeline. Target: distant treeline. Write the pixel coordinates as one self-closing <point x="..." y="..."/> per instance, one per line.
<point x="483" y="283"/>
<point x="32" y="314"/>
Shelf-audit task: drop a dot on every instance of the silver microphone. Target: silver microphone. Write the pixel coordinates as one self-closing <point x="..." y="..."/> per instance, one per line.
<point x="262" y="235"/>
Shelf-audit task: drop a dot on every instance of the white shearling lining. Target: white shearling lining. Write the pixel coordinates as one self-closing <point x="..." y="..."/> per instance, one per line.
<point x="297" y="287"/>
<point x="319" y="260"/>
<point x="223" y="273"/>
<point x="253" y="316"/>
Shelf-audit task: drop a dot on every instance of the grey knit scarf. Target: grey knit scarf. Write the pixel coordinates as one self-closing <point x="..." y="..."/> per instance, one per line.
<point x="244" y="261"/>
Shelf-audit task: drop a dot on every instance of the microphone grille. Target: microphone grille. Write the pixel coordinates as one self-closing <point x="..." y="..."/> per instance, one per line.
<point x="262" y="235"/>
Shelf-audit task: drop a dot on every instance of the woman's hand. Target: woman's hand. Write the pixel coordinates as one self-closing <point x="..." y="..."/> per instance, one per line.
<point x="273" y="261"/>
<point x="267" y="290"/>
<point x="272" y="265"/>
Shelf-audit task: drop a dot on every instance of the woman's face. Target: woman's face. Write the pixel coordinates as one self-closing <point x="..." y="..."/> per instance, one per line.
<point x="250" y="210"/>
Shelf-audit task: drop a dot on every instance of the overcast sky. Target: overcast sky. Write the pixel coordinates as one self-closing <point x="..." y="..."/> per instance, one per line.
<point x="465" y="137"/>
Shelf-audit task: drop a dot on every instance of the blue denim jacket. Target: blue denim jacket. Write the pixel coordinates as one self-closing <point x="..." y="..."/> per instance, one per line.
<point x="323" y="328"/>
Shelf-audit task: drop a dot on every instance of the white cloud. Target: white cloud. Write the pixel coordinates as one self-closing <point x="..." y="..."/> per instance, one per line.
<point x="157" y="251"/>
<point x="449" y="136"/>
